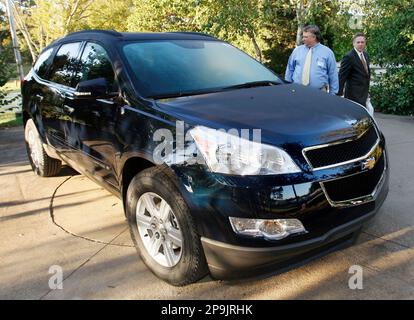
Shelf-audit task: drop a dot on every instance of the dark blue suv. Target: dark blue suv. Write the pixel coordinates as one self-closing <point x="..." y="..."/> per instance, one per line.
<point x="222" y="166"/>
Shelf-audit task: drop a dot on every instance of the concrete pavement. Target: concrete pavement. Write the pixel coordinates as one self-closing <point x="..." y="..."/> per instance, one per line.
<point x="69" y="221"/>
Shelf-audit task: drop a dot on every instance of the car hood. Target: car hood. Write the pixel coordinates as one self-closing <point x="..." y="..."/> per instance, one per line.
<point x="286" y="114"/>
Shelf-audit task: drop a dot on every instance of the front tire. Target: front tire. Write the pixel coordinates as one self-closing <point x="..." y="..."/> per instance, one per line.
<point x="41" y="163"/>
<point x="163" y="229"/>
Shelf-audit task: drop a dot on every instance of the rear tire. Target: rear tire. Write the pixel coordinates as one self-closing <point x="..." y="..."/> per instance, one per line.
<point x="41" y="163"/>
<point x="165" y="235"/>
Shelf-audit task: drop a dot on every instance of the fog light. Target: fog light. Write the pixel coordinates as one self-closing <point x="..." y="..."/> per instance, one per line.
<point x="269" y="229"/>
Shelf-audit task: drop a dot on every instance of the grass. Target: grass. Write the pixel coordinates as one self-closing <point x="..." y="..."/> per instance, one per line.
<point x="10" y="119"/>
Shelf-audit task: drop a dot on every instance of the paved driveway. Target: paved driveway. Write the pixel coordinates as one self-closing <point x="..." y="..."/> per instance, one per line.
<point x="70" y="222"/>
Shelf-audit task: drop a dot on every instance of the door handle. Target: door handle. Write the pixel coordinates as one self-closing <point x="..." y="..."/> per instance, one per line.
<point x="68" y="109"/>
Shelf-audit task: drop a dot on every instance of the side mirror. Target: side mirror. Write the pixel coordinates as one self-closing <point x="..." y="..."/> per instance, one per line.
<point x="93" y="89"/>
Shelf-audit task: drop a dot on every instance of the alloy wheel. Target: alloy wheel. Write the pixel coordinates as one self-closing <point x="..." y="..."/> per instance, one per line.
<point x="159" y="229"/>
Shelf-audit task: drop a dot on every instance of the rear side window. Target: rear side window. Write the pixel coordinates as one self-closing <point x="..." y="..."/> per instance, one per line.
<point x="43" y="63"/>
<point x="95" y="63"/>
<point x="64" y="64"/>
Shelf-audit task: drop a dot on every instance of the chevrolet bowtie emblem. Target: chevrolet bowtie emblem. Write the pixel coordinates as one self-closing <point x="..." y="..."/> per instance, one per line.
<point x="369" y="163"/>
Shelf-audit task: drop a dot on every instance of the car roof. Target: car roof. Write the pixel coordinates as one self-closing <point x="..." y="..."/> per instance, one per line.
<point x="111" y="35"/>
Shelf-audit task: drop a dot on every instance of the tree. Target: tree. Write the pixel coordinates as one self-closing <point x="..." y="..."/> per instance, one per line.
<point x="109" y="14"/>
<point x="6" y="72"/>
<point x="391" y="32"/>
<point x="391" y="43"/>
<point x="164" y="16"/>
<point x="278" y="33"/>
<point x="333" y="18"/>
<point x="42" y="21"/>
<point x="280" y="29"/>
<point x="6" y="58"/>
<point x="229" y="20"/>
<point x="232" y="19"/>
<point x="303" y="10"/>
<point x="20" y="20"/>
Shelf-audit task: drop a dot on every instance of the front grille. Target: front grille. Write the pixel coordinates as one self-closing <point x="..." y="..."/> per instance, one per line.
<point x="342" y="152"/>
<point x="355" y="186"/>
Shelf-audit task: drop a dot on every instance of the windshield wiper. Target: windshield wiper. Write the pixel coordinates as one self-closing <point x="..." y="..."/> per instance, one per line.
<point x="181" y="94"/>
<point x="213" y="90"/>
<point x="252" y="84"/>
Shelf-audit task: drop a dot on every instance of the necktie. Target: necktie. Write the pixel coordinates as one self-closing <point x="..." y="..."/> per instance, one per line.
<point x="363" y="62"/>
<point x="306" y="68"/>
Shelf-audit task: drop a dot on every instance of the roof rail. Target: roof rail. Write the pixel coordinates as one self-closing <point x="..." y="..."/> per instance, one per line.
<point x="109" y="32"/>
<point x="192" y="32"/>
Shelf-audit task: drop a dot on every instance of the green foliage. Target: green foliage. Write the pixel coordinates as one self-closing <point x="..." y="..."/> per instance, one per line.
<point x="109" y="14"/>
<point x="163" y="16"/>
<point x="231" y="20"/>
<point x="6" y="72"/>
<point x="39" y="22"/>
<point x="278" y="32"/>
<point x="333" y="19"/>
<point x="391" y="44"/>
<point x="391" y="32"/>
<point x="394" y="92"/>
<point x="7" y="66"/>
<point x="6" y="69"/>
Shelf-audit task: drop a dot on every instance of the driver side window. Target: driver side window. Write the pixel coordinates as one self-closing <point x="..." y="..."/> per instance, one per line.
<point x="95" y="63"/>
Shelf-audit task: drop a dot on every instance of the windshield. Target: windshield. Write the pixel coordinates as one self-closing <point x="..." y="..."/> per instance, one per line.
<point x="179" y="67"/>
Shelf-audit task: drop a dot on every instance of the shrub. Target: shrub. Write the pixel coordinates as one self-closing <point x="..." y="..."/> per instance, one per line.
<point x="394" y="91"/>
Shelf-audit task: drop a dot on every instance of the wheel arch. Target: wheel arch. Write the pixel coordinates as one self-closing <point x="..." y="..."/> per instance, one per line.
<point x="131" y="167"/>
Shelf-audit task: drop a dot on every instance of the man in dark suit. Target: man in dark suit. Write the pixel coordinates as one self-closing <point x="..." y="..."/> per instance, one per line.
<point x="354" y="73"/>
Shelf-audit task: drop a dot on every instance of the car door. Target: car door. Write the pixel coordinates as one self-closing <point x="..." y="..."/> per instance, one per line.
<point x="39" y="86"/>
<point x="51" y="99"/>
<point x="94" y="120"/>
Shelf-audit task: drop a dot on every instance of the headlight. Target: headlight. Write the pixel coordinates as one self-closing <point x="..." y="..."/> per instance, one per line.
<point x="269" y="229"/>
<point x="231" y="154"/>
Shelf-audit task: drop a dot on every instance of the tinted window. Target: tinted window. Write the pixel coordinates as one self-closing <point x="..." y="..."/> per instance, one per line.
<point x="43" y="62"/>
<point x="164" y="67"/>
<point x="64" y="64"/>
<point x="95" y="63"/>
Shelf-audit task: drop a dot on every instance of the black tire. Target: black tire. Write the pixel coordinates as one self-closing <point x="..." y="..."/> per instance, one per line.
<point x="44" y="166"/>
<point x="192" y="265"/>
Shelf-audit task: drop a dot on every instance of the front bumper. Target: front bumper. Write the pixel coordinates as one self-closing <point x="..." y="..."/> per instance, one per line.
<point x="227" y="261"/>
